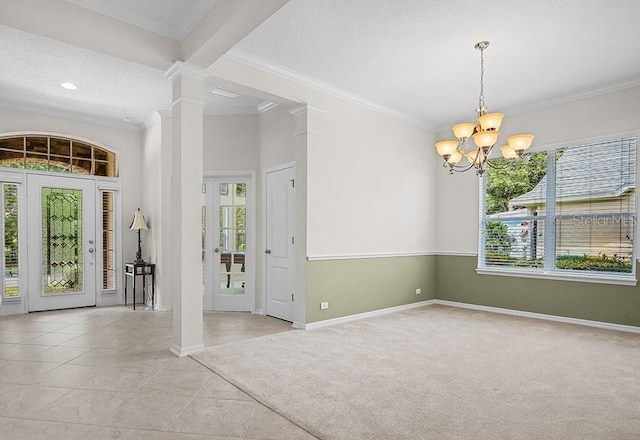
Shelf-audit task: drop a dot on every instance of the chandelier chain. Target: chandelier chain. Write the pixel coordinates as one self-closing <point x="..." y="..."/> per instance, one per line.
<point x="481" y="108"/>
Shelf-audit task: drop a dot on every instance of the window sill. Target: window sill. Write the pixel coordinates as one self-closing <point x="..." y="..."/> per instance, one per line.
<point x="568" y="276"/>
<point x="11" y="299"/>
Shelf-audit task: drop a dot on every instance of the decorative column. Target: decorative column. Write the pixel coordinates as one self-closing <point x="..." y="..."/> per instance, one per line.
<point x="308" y="124"/>
<point x="185" y="234"/>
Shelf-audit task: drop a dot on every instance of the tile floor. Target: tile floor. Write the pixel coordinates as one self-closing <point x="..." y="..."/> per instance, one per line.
<point x="107" y="373"/>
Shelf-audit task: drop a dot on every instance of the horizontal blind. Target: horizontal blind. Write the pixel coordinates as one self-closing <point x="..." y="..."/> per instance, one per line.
<point x="595" y="206"/>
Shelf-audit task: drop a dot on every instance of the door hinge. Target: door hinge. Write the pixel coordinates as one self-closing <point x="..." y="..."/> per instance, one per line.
<point x="293" y="240"/>
<point x="292" y="297"/>
<point x="204" y="188"/>
<point x="293" y="183"/>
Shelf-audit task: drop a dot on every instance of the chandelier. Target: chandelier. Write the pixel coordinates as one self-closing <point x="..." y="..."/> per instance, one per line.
<point x="484" y="133"/>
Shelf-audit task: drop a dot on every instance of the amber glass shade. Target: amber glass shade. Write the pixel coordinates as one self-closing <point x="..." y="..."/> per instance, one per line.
<point x="491" y="121"/>
<point x="446" y="147"/>
<point x="455" y="158"/>
<point x="520" y="142"/>
<point x="508" y="152"/>
<point x="486" y="138"/>
<point x="463" y="130"/>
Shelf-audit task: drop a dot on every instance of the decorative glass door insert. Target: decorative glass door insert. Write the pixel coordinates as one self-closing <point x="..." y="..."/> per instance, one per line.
<point x="62" y="249"/>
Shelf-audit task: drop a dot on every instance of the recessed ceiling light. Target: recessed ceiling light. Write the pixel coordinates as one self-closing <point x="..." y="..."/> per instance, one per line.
<point x="68" y="85"/>
<point x="224" y="92"/>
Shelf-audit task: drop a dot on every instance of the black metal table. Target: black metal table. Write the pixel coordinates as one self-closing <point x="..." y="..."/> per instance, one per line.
<point x="144" y="270"/>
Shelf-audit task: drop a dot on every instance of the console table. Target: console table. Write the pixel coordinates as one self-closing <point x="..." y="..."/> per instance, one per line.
<point x="133" y="270"/>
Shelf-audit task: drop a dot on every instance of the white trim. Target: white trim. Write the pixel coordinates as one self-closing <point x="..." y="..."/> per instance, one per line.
<point x="187" y="100"/>
<point x="185" y="69"/>
<point x="186" y="351"/>
<point x="555" y="318"/>
<point x="265" y="106"/>
<point x="367" y="256"/>
<point x="564" y="276"/>
<point x="71" y="114"/>
<point x="456" y="254"/>
<point x="241" y="57"/>
<point x="305" y="108"/>
<point x="357" y="316"/>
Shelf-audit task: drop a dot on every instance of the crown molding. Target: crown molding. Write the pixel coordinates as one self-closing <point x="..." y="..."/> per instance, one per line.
<point x="304" y="108"/>
<point x="72" y="115"/>
<point x="230" y="111"/>
<point x="269" y="67"/>
<point x="266" y="106"/>
<point x="185" y="69"/>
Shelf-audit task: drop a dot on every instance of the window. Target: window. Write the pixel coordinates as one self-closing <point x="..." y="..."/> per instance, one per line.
<point x="56" y="154"/>
<point x="10" y="253"/>
<point x="108" y="241"/>
<point x="567" y="211"/>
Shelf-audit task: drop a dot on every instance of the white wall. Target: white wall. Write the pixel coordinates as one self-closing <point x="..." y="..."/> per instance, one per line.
<point x="231" y="143"/>
<point x="370" y="189"/>
<point x="371" y="181"/>
<point x="588" y="118"/>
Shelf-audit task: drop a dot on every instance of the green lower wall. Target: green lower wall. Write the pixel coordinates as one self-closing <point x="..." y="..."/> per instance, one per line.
<point x="367" y="284"/>
<point x="457" y="281"/>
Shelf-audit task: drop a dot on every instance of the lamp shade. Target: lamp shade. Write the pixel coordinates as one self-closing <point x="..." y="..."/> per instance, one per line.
<point x="446" y="147"/>
<point x="491" y="121"/>
<point x="520" y="142"/>
<point x="508" y="152"/>
<point x="486" y="138"/>
<point x="455" y="157"/>
<point x="138" y="221"/>
<point x="463" y="130"/>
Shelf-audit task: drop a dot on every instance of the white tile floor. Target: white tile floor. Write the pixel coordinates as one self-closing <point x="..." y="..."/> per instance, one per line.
<point x="107" y="373"/>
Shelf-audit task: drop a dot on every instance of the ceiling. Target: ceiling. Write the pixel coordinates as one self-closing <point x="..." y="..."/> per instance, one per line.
<point x="410" y="58"/>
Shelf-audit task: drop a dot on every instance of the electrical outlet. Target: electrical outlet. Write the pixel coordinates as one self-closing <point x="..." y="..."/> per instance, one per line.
<point x="418" y="291"/>
<point x="324" y="305"/>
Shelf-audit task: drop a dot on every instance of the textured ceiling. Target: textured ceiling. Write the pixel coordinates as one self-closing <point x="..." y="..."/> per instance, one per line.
<point x="170" y="18"/>
<point x="416" y="57"/>
<point x="413" y="58"/>
<point x="110" y="88"/>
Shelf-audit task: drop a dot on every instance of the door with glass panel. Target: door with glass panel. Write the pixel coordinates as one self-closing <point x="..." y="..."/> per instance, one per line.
<point x="231" y="269"/>
<point x="61" y="227"/>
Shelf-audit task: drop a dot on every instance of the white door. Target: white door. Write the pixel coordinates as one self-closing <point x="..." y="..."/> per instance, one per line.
<point x="280" y="240"/>
<point x="61" y="242"/>
<point x="229" y="269"/>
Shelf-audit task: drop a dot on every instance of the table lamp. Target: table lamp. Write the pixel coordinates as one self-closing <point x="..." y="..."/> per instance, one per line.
<point x="137" y="224"/>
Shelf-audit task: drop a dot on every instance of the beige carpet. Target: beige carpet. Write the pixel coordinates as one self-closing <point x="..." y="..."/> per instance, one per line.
<point x="444" y="373"/>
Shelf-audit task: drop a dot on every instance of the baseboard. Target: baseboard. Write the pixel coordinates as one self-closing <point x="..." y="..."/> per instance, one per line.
<point x="348" y="318"/>
<point x="186" y="351"/>
<point x="555" y="318"/>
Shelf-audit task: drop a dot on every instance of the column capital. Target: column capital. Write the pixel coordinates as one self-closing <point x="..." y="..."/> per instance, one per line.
<point x="185" y="69"/>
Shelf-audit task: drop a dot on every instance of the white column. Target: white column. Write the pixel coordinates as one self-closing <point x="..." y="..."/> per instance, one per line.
<point x="186" y="207"/>
<point x="308" y="126"/>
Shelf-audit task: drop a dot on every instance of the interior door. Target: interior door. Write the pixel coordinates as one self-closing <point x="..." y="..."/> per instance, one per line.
<point x="280" y="241"/>
<point x="61" y="242"/>
<point x="232" y="263"/>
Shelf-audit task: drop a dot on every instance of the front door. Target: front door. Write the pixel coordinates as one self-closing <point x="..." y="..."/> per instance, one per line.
<point x="280" y="241"/>
<point x="61" y="242"/>
<point x="229" y="268"/>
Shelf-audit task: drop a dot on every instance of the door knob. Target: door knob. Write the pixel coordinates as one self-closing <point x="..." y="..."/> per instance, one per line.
<point x="216" y="250"/>
<point x="91" y="250"/>
<point x="267" y="251"/>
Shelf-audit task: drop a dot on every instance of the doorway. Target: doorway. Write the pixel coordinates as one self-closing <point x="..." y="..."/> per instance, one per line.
<point x="229" y="244"/>
<point x="280" y="241"/>
<point x="61" y="237"/>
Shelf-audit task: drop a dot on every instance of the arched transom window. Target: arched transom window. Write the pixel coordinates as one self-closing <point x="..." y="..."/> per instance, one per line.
<point x="57" y="154"/>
